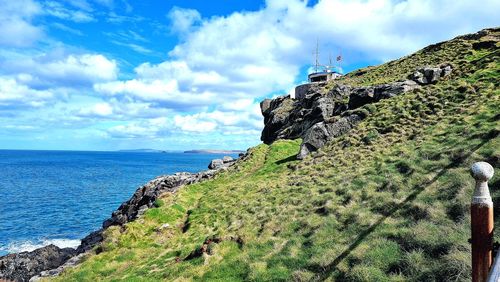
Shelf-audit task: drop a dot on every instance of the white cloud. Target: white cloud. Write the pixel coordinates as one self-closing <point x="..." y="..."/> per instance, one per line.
<point x="16" y="95"/>
<point x="67" y="29"/>
<point x="61" y="69"/>
<point x="183" y="20"/>
<point x="192" y="124"/>
<point x="223" y="122"/>
<point x="152" y="129"/>
<point x="137" y="48"/>
<point x="60" y="11"/>
<point x="99" y="110"/>
<point x="16" y="28"/>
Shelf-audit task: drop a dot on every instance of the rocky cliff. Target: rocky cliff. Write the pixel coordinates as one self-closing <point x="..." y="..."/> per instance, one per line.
<point x="322" y="111"/>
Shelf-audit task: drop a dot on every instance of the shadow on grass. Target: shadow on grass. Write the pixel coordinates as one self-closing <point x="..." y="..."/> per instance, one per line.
<point x="286" y="160"/>
<point x="326" y="271"/>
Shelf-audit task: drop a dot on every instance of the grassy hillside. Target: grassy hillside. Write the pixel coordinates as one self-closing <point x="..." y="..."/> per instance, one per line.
<point x="386" y="202"/>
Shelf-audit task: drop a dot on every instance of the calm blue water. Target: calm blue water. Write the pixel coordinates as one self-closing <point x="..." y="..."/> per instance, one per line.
<point x="60" y="196"/>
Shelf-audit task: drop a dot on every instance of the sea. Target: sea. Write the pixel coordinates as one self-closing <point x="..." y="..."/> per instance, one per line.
<point x="58" y="197"/>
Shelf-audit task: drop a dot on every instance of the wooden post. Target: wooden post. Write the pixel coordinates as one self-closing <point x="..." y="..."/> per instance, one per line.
<point x="481" y="222"/>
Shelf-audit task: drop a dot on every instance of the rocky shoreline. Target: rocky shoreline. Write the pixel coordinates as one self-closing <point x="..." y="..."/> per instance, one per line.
<point x="51" y="260"/>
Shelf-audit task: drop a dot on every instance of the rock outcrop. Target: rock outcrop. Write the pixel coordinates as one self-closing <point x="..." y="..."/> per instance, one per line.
<point x="73" y="261"/>
<point x="427" y="75"/>
<point x="215" y="164"/>
<point x="22" y="266"/>
<point x="317" y="136"/>
<point x="317" y="114"/>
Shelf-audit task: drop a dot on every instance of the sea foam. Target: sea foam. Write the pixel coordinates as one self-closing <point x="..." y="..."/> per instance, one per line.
<point x="28" y="246"/>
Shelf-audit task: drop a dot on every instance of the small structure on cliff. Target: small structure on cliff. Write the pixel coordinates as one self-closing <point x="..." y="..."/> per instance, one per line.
<point x="328" y="72"/>
<point x="321" y="74"/>
<point x="325" y="75"/>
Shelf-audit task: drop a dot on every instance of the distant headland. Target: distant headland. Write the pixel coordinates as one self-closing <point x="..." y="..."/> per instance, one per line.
<point x="214" y="151"/>
<point x="145" y="151"/>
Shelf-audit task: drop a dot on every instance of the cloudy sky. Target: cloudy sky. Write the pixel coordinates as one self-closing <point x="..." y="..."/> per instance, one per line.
<point x="189" y="74"/>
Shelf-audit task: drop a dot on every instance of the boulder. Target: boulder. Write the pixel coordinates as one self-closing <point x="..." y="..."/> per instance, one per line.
<point x="72" y="262"/>
<point x="390" y="90"/>
<point x="304" y="90"/>
<point x="320" y="133"/>
<point x="215" y="164"/>
<point x="361" y="96"/>
<point x="265" y="105"/>
<point x="446" y="70"/>
<point x="227" y="159"/>
<point x="90" y="241"/>
<point x="428" y="75"/>
<point x="23" y="266"/>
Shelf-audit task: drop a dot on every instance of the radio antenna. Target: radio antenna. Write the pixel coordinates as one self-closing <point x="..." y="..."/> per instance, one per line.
<point x="316" y="64"/>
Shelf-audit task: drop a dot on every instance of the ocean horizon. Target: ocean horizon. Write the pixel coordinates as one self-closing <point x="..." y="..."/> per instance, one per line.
<point x="59" y="196"/>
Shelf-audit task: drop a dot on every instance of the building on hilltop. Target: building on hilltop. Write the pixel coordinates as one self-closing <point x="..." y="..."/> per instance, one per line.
<point x="325" y="75"/>
<point x="328" y="72"/>
<point x="318" y="76"/>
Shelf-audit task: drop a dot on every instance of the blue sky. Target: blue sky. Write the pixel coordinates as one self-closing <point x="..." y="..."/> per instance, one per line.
<point x="123" y="74"/>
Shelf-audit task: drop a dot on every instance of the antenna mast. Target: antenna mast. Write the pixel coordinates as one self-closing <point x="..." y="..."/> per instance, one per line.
<point x="316" y="64"/>
<point x="330" y="65"/>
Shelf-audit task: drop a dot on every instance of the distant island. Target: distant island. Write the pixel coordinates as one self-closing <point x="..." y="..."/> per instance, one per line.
<point x="145" y="151"/>
<point x="208" y="151"/>
<point x="214" y="151"/>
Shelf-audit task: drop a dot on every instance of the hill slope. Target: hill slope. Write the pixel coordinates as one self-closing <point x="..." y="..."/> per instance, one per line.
<point x="388" y="201"/>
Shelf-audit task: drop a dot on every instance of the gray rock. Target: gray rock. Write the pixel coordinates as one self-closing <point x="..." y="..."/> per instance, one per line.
<point x="72" y="262"/>
<point x="215" y="164"/>
<point x="227" y="159"/>
<point x="23" y="266"/>
<point x="390" y="90"/>
<point x="304" y="90"/>
<point x="320" y="133"/>
<point x="265" y="104"/>
<point x="142" y="210"/>
<point x="90" y="241"/>
<point x="446" y="70"/>
<point x="428" y="75"/>
<point x="366" y="95"/>
<point x="361" y="96"/>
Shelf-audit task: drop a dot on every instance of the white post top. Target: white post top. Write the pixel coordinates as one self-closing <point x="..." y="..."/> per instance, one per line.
<point x="482" y="172"/>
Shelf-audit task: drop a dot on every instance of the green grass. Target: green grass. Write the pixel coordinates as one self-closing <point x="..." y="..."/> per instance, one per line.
<point x="386" y="202"/>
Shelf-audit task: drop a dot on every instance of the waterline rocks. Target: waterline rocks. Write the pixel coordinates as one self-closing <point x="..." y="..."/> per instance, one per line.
<point x="24" y="265"/>
<point x="215" y="164"/>
<point x="223" y="163"/>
